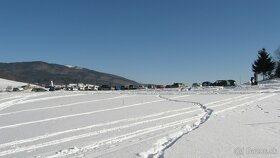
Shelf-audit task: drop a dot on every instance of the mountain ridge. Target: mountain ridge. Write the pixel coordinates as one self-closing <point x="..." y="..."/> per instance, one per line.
<point x="42" y="73"/>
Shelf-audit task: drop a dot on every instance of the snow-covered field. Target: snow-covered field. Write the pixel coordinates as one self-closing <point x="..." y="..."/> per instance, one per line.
<point x="204" y="122"/>
<point x="5" y="83"/>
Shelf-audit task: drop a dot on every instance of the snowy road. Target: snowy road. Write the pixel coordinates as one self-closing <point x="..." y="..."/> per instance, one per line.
<point x="102" y="124"/>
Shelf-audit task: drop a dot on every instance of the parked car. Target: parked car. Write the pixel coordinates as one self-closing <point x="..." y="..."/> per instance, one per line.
<point x="104" y="87"/>
<point x="38" y="89"/>
<point x="119" y="88"/>
<point x="178" y="85"/>
<point x="223" y="83"/>
<point x="232" y="82"/>
<point x="141" y="87"/>
<point x="168" y="86"/>
<point x="52" y="88"/>
<point x="196" y="85"/>
<point x="122" y="87"/>
<point x="132" y="87"/>
<point x="160" y="86"/>
<point x="18" y="89"/>
<point x="207" y="83"/>
<point x="151" y="86"/>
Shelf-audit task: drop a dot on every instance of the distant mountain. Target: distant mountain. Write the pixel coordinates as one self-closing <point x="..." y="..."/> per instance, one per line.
<point x="43" y="73"/>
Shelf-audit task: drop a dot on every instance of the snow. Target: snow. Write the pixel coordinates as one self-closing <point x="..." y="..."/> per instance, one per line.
<point x="73" y="67"/>
<point x="5" y="83"/>
<point x="236" y="133"/>
<point x="204" y="122"/>
<point x="69" y="66"/>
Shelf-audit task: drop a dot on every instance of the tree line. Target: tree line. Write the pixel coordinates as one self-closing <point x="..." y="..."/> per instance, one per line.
<point x="266" y="65"/>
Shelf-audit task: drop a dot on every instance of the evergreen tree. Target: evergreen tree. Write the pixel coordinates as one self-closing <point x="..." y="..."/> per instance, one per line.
<point x="277" y="72"/>
<point x="264" y="64"/>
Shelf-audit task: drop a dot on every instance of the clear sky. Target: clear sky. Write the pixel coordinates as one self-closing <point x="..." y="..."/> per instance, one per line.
<point x="150" y="41"/>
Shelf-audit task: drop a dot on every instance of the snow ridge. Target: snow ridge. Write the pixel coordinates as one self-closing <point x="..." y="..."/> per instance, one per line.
<point x="164" y="143"/>
<point x="72" y="67"/>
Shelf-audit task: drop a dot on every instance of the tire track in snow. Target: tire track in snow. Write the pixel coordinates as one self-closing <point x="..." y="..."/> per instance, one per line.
<point x="25" y="99"/>
<point x="89" y="127"/>
<point x="83" y="114"/>
<point x="157" y="151"/>
<point x="108" y="123"/>
<point x="51" y="97"/>
<point x="76" y="137"/>
<point x="237" y="99"/>
<point x="234" y="107"/>
<point x="164" y="143"/>
<point x="10" y="103"/>
<point x="77" y="103"/>
<point x="121" y="138"/>
<point x="11" y="97"/>
<point x="15" y="101"/>
<point x="65" y="105"/>
<point x="165" y="138"/>
<point x="228" y="99"/>
<point x="55" y="142"/>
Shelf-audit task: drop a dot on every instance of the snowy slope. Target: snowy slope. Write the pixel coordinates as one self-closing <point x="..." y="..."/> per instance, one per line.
<point x="5" y="83"/>
<point x="223" y="122"/>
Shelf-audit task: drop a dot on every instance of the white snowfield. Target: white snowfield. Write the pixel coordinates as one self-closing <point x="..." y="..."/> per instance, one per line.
<point x="201" y="123"/>
<point x="5" y="83"/>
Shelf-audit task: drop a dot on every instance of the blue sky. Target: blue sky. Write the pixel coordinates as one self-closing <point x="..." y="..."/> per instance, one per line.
<point x="150" y="41"/>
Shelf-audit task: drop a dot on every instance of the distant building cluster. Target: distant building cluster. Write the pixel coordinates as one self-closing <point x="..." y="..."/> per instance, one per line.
<point x="90" y="87"/>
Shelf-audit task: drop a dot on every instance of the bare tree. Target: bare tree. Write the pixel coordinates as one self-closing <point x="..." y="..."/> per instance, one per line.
<point x="277" y="53"/>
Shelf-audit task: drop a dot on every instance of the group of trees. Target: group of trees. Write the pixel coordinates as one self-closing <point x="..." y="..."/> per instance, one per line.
<point x="265" y="65"/>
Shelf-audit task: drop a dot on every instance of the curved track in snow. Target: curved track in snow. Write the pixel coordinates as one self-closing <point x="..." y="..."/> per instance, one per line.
<point x="162" y="144"/>
<point x="97" y="125"/>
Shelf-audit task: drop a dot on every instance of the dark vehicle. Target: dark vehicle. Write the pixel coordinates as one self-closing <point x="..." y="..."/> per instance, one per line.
<point x="178" y="85"/>
<point x="160" y="86"/>
<point x="119" y="88"/>
<point x="207" y="83"/>
<point x="131" y="87"/>
<point x="52" y="88"/>
<point x="141" y="87"/>
<point x="195" y="85"/>
<point x="38" y="90"/>
<point x="151" y="87"/>
<point x="223" y="83"/>
<point x="104" y="87"/>
<point x="232" y="82"/>
<point x="18" y="89"/>
<point x="168" y="86"/>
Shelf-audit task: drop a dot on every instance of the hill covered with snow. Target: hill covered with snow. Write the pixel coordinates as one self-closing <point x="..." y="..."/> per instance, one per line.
<point x="5" y="83"/>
